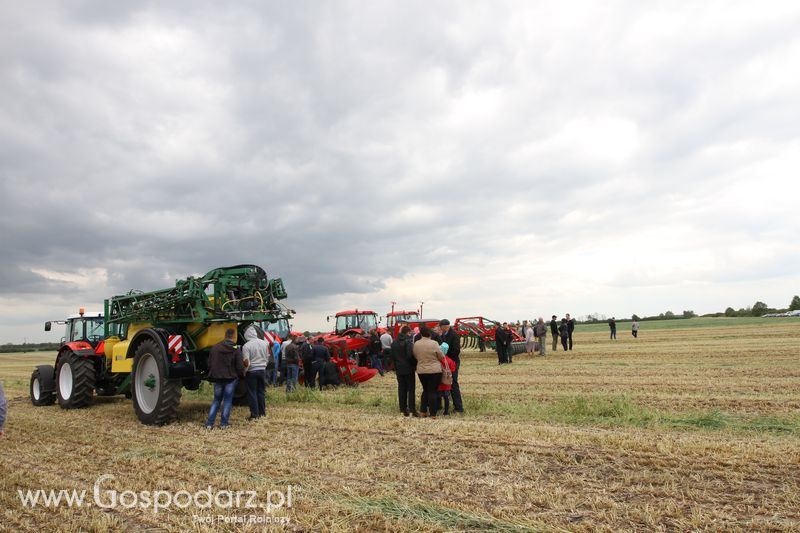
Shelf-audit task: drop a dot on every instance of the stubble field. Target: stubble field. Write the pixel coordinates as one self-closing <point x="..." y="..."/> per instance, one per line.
<point x="680" y="429"/>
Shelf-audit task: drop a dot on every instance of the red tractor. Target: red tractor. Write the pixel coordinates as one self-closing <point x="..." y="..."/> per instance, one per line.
<point x="348" y="344"/>
<point x="76" y="365"/>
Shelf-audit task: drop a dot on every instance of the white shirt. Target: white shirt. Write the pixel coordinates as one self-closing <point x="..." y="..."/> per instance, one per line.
<point x="386" y="341"/>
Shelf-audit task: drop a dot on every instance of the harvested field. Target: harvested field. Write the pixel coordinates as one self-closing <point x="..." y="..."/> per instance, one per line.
<point x="686" y="428"/>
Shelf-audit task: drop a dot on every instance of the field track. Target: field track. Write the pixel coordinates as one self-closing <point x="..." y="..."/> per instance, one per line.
<point x="697" y="427"/>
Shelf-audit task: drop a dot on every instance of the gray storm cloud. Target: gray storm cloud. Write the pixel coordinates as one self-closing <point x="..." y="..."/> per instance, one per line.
<point x="542" y="155"/>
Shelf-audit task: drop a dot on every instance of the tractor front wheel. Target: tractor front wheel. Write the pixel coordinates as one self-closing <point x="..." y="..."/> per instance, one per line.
<point x="75" y="378"/>
<point x="155" y="398"/>
<point x="43" y="386"/>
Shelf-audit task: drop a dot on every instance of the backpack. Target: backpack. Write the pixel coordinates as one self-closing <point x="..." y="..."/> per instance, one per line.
<point x="447" y="375"/>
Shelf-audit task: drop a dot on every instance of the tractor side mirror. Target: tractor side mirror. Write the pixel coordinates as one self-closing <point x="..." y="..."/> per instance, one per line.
<point x="48" y="326"/>
<point x="328" y="318"/>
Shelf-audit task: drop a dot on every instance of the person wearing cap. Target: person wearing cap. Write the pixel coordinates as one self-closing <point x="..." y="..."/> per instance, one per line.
<point x="3" y="411"/>
<point x="453" y="341"/>
<point x="444" y="390"/>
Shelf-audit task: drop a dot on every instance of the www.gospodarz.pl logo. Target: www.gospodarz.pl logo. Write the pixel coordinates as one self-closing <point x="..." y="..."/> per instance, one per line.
<point x="158" y="500"/>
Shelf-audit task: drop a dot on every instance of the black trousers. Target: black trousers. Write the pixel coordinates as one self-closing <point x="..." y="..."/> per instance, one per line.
<point x="502" y="356"/>
<point x="455" y="392"/>
<point x="564" y="342"/>
<point x="308" y="372"/>
<point x="430" y="386"/>
<point x="406" y="393"/>
<point x="256" y="382"/>
<point x="569" y="337"/>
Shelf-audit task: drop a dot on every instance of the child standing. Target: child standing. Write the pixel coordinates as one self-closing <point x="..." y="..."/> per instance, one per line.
<point x="444" y="390"/>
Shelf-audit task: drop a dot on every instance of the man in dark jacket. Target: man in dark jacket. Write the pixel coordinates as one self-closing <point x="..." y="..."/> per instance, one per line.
<point x="570" y="329"/>
<point x="554" y="331"/>
<point x="405" y="365"/>
<point x="225" y="367"/>
<point x="500" y="339"/>
<point x="563" y="331"/>
<point x="612" y="325"/>
<point x="292" y="356"/>
<point x="308" y="359"/>
<point x="453" y="340"/>
<point x="320" y="356"/>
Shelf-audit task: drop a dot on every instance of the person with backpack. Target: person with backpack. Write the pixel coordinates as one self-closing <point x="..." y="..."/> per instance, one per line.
<point x="225" y="368"/>
<point x="612" y="325"/>
<point x="540" y="331"/>
<point x="448" y="368"/>
<point x="402" y="353"/>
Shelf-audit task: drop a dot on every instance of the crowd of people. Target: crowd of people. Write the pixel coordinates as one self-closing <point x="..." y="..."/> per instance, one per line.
<point x="534" y="334"/>
<point x="434" y="355"/>
<point x="431" y="355"/>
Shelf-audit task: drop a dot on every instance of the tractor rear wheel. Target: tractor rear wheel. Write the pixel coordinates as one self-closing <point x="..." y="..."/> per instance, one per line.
<point x="75" y="378"/>
<point x="155" y="398"/>
<point x="43" y="386"/>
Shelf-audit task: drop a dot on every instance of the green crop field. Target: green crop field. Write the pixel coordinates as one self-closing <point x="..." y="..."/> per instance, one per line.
<point x="694" y="425"/>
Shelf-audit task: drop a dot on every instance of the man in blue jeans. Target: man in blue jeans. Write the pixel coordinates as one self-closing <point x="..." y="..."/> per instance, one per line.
<point x="225" y="367"/>
<point x="292" y="355"/>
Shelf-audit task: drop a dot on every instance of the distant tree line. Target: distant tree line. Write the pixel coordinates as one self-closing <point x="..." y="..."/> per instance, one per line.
<point x="757" y="309"/>
<point x="29" y="347"/>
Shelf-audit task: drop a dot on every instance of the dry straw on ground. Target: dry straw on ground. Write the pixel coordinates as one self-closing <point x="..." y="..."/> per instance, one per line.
<point x="680" y="429"/>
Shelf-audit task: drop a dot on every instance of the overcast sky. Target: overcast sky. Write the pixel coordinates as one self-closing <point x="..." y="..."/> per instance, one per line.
<point x="504" y="159"/>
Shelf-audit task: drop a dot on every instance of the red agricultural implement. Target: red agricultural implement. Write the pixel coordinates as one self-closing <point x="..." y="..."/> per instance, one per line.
<point x="479" y="332"/>
<point x="348" y="344"/>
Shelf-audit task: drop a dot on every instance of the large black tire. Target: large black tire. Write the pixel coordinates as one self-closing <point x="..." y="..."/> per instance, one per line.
<point x="43" y="386"/>
<point x="155" y="398"/>
<point x="75" y="379"/>
<point x="517" y="347"/>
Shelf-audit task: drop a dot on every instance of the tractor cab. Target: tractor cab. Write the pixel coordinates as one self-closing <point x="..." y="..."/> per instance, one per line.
<point x="351" y="321"/>
<point x="399" y="317"/>
<point x="84" y="326"/>
<point x="280" y="328"/>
